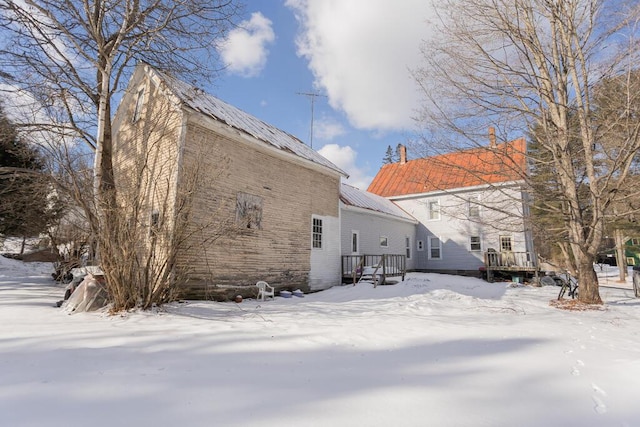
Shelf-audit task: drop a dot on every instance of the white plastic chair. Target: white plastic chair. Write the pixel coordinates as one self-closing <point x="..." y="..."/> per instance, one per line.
<point x="265" y="290"/>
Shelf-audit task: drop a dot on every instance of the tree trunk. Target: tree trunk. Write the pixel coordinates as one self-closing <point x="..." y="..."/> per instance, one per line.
<point x="588" y="281"/>
<point x="621" y="259"/>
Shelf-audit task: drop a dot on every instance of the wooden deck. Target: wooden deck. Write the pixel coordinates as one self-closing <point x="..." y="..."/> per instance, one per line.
<point x="517" y="264"/>
<point x="376" y="268"/>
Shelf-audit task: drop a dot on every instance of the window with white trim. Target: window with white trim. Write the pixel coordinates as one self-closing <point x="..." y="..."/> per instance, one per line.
<point x="435" y="248"/>
<point x="474" y="207"/>
<point x="506" y="244"/>
<point x="316" y="234"/>
<point x="407" y="244"/>
<point x="355" y="241"/>
<point x="475" y="244"/>
<point x="434" y="210"/>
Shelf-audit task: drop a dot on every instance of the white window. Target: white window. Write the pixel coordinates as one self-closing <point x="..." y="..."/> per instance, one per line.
<point x="355" y="242"/>
<point x="474" y="207"/>
<point x="475" y="244"/>
<point x="435" y="248"/>
<point x="434" y="210"/>
<point x="317" y="233"/>
<point x="137" y="111"/>
<point x="407" y="244"/>
<point x="384" y="242"/>
<point x="420" y="245"/>
<point x="505" y="244"/>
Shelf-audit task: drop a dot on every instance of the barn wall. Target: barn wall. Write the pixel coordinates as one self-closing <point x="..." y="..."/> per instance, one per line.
<point x="145" y="155"/>
<point x="225" y="254"/>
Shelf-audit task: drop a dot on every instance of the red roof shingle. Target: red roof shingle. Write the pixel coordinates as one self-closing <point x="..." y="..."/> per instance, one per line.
<point x="467" y="168"/>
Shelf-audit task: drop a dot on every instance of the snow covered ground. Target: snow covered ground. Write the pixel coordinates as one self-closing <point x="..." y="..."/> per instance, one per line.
<point x="434" y="350"/>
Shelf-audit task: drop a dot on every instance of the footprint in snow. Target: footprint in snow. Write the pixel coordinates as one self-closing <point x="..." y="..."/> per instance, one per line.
<point x="600" y="406"/>
<point x="598" y="390"/>
<point x="575" y="371"/>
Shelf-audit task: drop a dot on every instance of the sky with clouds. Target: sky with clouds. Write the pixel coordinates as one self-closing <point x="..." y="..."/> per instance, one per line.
<point x="355" y="55"/>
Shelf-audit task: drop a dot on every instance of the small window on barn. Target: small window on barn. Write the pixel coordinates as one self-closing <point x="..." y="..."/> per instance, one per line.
<point x="384" y="242"/>
<point x="248" y="211"/>
<point x="316" y="234"/>
<point x="155" y="219"/>
<point x="137" y="111"/>
<point x="155" y="222"/>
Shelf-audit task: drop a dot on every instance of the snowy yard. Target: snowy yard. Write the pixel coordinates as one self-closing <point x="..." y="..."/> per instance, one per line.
<point x="434" y="350"/>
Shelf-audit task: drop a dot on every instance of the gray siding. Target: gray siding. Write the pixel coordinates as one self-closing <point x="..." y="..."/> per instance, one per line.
<point x="454" y="228"/>
<point x="371" y="227"/>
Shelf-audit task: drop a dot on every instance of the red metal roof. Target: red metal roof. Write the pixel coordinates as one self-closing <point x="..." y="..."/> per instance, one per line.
<point x="467" y="168"/>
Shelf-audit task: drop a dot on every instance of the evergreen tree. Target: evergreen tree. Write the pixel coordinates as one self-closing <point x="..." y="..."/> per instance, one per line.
<point x="388" y="156"/>
<point x="397" y="156"/>
<point x="26" y="207"/>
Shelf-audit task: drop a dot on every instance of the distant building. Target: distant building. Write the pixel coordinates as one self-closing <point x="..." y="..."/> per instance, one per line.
<point x="470" y="205"/>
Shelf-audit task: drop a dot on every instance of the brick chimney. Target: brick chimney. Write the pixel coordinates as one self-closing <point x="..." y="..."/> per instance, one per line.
<point x="492" y="137"/>
<point x="403" y="154"/>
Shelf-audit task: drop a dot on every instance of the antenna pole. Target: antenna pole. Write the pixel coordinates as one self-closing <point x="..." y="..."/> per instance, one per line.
<point x="312" y="97"/>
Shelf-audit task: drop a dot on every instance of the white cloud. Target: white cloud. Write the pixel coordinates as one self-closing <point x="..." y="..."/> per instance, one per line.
<point x="327" y="129"/>
<point x="21" y="107"/>
<point x="345" y="159"/>
<point x="245" y="50"/>
<point x="361" y="51"/>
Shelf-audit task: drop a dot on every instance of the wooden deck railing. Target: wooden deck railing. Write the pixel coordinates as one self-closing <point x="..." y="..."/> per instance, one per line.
<point x="509" y="261"/>
<point x="390" y="265"/>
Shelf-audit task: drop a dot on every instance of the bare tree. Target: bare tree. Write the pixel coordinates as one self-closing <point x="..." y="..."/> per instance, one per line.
<point x="525" y="64"/>
<point x="73" y="57"/>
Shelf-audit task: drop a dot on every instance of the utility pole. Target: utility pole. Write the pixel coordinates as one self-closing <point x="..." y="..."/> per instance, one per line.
<point x="312" y="97"/>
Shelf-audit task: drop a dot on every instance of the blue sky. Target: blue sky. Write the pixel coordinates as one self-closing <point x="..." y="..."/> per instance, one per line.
<point x="356" y="54"/>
